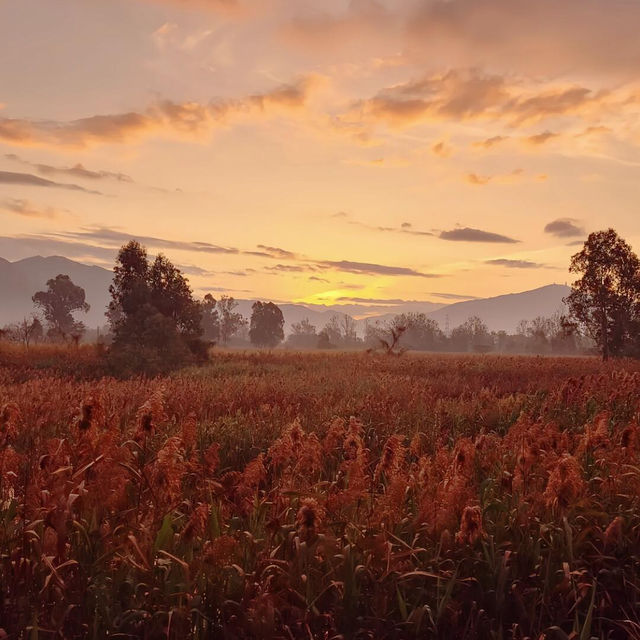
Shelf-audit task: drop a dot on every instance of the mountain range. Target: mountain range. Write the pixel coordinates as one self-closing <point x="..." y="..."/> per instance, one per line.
<point x="21" y="279"/>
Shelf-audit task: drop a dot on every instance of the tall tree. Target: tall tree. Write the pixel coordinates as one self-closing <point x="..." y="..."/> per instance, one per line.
<point x="171" y="295"/>
<point x="605" y="302"/>
<point x="153" y="315"/>
<point x="230" y="320"/>
<point x="267" y="324"/>
<point x="210" y="319"/>
<point x="58" y="303"/>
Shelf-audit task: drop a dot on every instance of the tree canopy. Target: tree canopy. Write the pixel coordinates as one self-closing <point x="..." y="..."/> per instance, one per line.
<point x="58" y="303"/>
<point x="155" y="320"/>
<point x="267" y="325"/>
<point x="605" y="301"/>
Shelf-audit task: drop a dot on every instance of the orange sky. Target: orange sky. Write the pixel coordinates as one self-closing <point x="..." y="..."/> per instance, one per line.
<point x="305" y="151"/>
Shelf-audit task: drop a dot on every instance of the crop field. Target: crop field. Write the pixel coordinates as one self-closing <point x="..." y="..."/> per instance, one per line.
<point x="320" y="495"/>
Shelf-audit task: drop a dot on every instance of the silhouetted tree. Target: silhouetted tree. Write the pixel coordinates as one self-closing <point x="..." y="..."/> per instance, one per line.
<point x="324" y="341"/>
<point x="210" y="319"/>
<point x="303" y="335"/>
<point x="605" y="302"/>
<point x="154" y="318"/>
<point x="29" y="330"/>
<point x="267" y="323"/>
<point x="472" y="335"/>
<point x="230" y="321"/>
<point x="58" y="304"/>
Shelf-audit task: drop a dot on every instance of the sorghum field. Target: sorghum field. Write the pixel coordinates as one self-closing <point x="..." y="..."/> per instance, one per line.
<point x="281" y="495"/>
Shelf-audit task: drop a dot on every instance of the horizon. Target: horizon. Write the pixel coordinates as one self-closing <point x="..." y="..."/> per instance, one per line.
<point x="365" y="150"/>
<point x="381" y="305"/>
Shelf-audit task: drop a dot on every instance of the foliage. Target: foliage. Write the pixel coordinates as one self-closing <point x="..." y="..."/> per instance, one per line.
<point x="154" y="318"/>
<point x="210" y="319"/>
<point x="58" y="304"/>
<point x="267" y="324"/>
<point x="303" y="335"/>
<point x="605" y="301"/>
<point x="275" y="495"/>
<point x="231" y="322"/>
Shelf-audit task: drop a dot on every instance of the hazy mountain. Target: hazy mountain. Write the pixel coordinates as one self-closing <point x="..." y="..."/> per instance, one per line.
<point x="21" y="279"/>
<point x="505" y="312"/>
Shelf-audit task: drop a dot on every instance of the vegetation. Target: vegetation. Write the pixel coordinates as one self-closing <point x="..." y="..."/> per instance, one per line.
<point x="279" y="495"/>
<point x="267" y="325"/>
<point x="58" y="303"/>
<point x="605" y="302"/>
<point x="155" y="321"/>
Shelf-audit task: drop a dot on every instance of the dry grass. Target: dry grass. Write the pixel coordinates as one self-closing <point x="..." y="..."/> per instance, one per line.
<point x="274" y="495"/>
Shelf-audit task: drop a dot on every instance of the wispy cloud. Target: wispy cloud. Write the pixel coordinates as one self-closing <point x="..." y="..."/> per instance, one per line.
<point x="517" y="175"/>
<point x="29" y="180"/>
<point x="565" y="228"/>
<point x="26" y="209"/>
<point x="75" y="171"/>
<point x="189" y="120"/>
<point x="467" y="234"/>
<point x="372" y="269"/>
<point x="515" y="264"/>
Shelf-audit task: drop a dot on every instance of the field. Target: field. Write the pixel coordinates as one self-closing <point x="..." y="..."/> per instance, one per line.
<point x="281" y="495"/>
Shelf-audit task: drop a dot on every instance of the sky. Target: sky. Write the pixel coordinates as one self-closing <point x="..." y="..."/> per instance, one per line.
<point x="322" y="152"/>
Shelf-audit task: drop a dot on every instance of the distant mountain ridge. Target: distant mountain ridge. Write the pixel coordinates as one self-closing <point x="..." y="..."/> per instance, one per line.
<point x="21" y="279"/>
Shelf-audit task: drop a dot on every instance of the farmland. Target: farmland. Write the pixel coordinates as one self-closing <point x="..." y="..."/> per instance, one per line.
<point x="320" y="495"/>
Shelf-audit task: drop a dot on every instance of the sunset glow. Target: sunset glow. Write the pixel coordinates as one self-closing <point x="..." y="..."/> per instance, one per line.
<point x="329" y="153"/>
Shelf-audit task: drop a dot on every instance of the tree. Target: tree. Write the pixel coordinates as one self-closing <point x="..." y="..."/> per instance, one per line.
<point x="230" y="320"/>
<point x="210" y="319"/>
<point x="58" y="303"/>
<point x="421" y="333"/>
<point x="29" y="330"/>
<point x="156" y="322"/>
<point x="605" y="302"/>
<point x="303" y="335"/>
<point x="267" y="324"/>
<point x="333" y="332"/>
<point x="472" y="335"/>
<point x="171" y="295"/>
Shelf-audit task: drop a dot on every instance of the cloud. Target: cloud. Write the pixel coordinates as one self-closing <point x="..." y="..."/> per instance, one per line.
<point x="515" y="264"/>
<point x="29" y="180"/>
<point x="540" y="37"/>
<point x="505" y="178"/>
<point x="26" y="209"/>
<point x="189" y="120"/>
<point x="194" y="270"/>
<point x="115" y="238"/>
<point x="541" y="138"/>
<point x="381" y="301"/>
<point x="316" y="279"/>
<point x="565" y="228"/>
<point x="442" y="149"/>
<point x="75" y="171"/>
<point x="290" y="268"/>
<point x="467" y="234"/>
<point x="489" y="143"/>
<point x="22" y="246"/>
<point x="453" y="296"/>
<point x="474" y="178"/>
<point x="462" y="95"/>
<point x="224" y="290"/>
<point x="372" y="269"/>
<point x="405" y="227"/>
<point x="277" y="252"/>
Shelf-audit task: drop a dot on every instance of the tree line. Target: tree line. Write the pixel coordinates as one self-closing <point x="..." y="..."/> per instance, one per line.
<point x="156" y="324"/>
